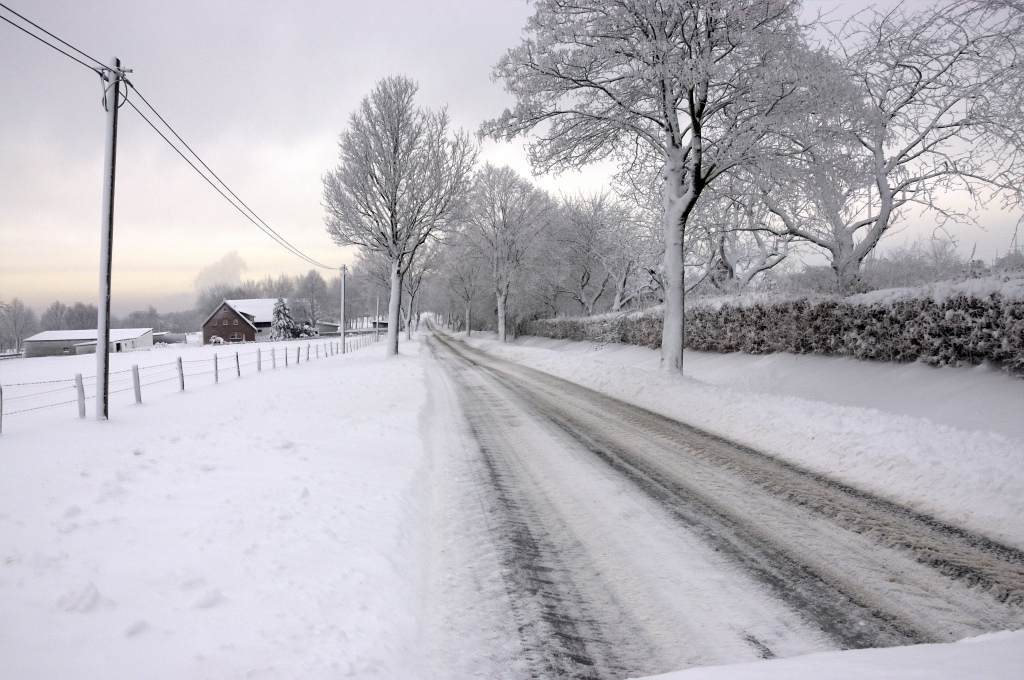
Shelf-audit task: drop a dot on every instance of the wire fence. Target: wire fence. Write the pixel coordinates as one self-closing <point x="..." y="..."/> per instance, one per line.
<point x="18" y="398"/>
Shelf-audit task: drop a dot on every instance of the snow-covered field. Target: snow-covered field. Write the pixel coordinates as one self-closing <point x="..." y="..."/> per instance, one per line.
<point x="269" y="526"/>
<point x="278" y="525"/>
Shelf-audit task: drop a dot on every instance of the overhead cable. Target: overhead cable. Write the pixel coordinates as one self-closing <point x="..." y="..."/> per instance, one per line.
<point x="101" y="68"/>
<point x="249" y="213"/>
<point x="94" y="69"/>
<point x="269" y="232"/>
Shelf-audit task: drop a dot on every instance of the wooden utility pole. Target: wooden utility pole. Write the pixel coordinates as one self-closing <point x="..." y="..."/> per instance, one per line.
<point x="341" y="312"/>
<point x="111" y="95"/>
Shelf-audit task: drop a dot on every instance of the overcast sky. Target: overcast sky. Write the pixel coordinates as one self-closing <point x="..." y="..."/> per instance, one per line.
<point x="261" y="91"/>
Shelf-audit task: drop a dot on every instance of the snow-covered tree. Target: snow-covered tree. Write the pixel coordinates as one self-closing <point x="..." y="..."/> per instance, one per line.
<point x="282" y="327"/>
<point x="401" y="178"/>
<point x="934" y="104"/>
<point x="504" y="217"/>
<point x="607" y="248"/>
<point x="693" y="87"/>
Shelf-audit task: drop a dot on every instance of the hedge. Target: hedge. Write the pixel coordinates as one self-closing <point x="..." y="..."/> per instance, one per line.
<point x="959" y="328"/>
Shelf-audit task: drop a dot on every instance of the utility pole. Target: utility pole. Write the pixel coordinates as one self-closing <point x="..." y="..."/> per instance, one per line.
<point x="341" y="313"/>
<point x="111" y="95"/>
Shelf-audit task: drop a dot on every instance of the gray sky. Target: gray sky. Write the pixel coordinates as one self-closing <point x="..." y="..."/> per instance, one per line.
<point x="261" y="91"/>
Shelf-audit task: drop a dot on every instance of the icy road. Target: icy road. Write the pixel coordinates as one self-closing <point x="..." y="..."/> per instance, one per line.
<point x="592" y="539"/>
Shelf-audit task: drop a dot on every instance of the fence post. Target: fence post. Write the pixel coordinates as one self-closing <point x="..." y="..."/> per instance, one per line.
<point x="81" y="395"/>
<point x="2" y="409"/>
<point x="216" y="370"/>
<point x="259" y="360"/>
<point x="273" y="358"/>
<point x="307" y="351"/>
<point x="136" y="383"/>
<point x="238" y="366"/>
<point x="318" y="351"/>
<point x="286" y="357"/>
<point x="181" y="375"/>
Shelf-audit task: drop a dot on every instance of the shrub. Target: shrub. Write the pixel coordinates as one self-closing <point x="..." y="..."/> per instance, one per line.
<point x="940" y="324"/>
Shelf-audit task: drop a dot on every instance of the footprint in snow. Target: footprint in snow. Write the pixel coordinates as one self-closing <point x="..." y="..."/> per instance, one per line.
<point x="135" y="629"/>
<point x="211" y="599"/>
<point x="83" y="601"/>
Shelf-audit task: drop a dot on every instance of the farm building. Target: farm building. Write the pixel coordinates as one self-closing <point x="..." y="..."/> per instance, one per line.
<point x="240" y="321"/>
<point x="55" y="343"/>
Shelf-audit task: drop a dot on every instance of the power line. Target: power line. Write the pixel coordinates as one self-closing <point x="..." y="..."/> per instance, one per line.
<point x="238" y="203"/>
<point x="49" y="44"/>
<point x="266" y="228"/>
<point x="63" y="42"/>
<point x="269" y="232"/>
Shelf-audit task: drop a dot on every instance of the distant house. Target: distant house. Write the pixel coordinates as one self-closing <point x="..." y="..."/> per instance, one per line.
<point x="55" y="343"/>
<point x="240" y="321"/>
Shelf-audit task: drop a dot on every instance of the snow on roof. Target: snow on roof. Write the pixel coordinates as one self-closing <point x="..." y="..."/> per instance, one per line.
<point x="262" y="311"/>
<point x="87" y="334"/>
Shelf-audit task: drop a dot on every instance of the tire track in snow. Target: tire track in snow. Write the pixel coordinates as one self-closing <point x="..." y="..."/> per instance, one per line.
<point x="955" y="583"/>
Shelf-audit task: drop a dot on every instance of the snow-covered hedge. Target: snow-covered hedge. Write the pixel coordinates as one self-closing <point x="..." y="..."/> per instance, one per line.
<point x="941" y="324"/>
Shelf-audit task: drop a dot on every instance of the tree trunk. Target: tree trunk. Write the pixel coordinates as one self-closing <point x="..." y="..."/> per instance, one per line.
<point x="469" y="329"/>
<point x="408" y="319"/>
<point x="502" y="296"/>
<point x="394" y="310"/>
<point x="672" y="330"/>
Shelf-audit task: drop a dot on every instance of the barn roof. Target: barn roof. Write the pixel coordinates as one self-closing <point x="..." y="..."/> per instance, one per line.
<point x="262" y="310"/>
<point x="87" y="334"/>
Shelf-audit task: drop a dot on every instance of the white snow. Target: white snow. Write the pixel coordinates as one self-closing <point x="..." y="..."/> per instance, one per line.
<point x="1009" y="285"/>
<point x="261" y="309"/>
<point x="278" y="525"/>
<point x="996" y="656"/>
<point x="269" y="526"/>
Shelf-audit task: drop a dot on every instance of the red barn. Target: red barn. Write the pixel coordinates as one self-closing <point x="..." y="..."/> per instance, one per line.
<point x="240" y="321"/>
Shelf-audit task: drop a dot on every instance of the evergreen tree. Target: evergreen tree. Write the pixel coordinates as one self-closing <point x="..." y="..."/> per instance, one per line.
<point x="282" y="327"/>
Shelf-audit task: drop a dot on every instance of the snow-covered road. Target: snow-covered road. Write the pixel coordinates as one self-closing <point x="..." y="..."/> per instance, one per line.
<point x="613" y="541"/>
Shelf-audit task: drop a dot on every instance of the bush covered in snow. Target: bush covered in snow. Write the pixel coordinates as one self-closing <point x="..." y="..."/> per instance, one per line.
<point x="940" y="324"/>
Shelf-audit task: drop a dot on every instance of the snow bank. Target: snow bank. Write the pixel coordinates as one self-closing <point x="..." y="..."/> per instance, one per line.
<point x="271" y="526"/>
<point x="996" y="656"/>
<point x="946" y="442"/>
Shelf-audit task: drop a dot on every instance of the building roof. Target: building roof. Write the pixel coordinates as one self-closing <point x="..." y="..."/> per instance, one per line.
<point x="89" y="334"/>
<point x="262" y="311"/>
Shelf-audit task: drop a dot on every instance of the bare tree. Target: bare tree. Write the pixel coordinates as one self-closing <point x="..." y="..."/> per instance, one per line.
<point x="740" y="234"/>
<point x="55" y="318"/>
<point x="692" y="86"/>
<point x="464" y="272"/>
<point x="310" y="299"/>
<point x="935" y="105"/>
<point x="17" y="322"/>
<point x="505" y="215"/>
<point x="605" y="247"/>
<point x="400" y="179"/>
<point x="422" y="266"/>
